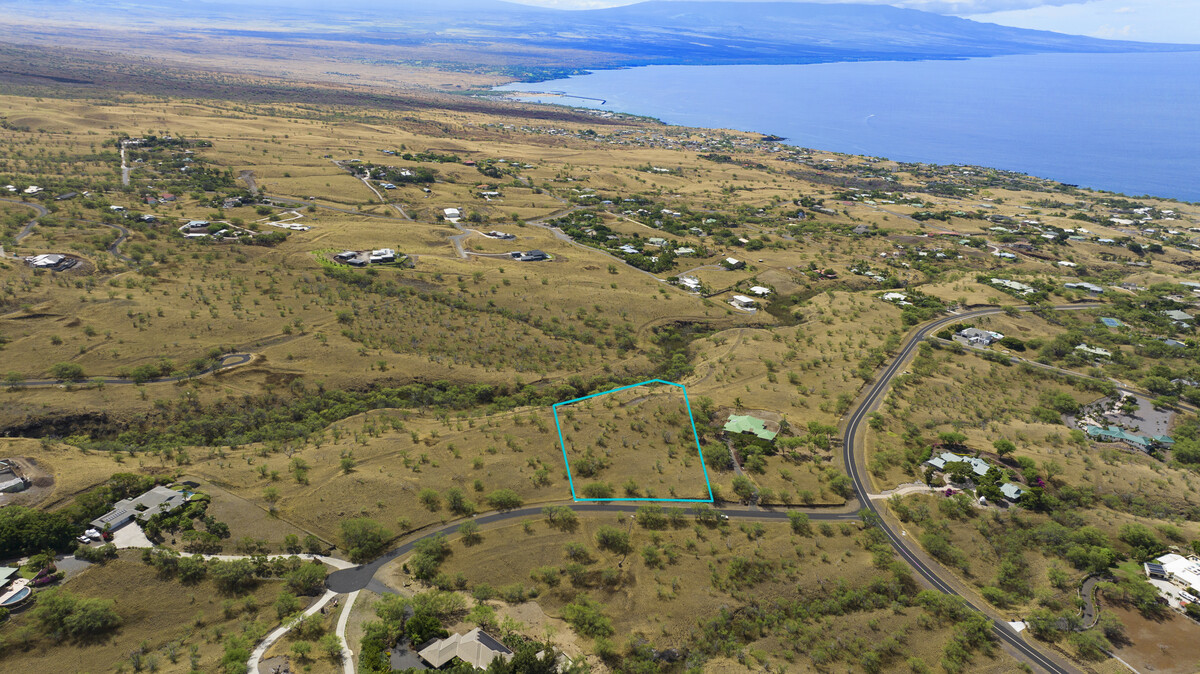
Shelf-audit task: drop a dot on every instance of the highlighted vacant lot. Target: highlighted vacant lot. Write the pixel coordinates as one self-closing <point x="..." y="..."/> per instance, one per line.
<point x="635" y="443"/>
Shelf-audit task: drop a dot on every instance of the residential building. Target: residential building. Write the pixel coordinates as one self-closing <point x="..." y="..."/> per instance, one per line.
<point x="760" y="291"/>
<point x="629" y="250"/>
<point x="741" y="423"/>
<point x="684" y="251"/>
<point x="1117" y="434"/>
<point x="1178" y="316"/>
<point x="978" y="337"/>
<point x="1094" y="351"/>
<point x="1011" y="491"/>
<point x="1090" y="287"/>
<point x="476" y="648"/>
<point x="1111" y="322"/>
<point x="690" y="283"/>
<point x="531" y="256"/>
<point x="383" y="255"/>
<point x="978" y="466"/>
<point x="734" y="263"/>
<point x="743" y="302"/>
<point x="451" y="213"/>
<point x="158" y="500"/>
<point x="46" y="261"/>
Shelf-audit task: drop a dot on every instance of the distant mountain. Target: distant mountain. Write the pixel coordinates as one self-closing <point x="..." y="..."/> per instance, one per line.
<point x="657" y="32"/>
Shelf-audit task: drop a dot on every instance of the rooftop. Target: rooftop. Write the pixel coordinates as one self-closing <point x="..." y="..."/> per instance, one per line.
<point x="747" y="424"/>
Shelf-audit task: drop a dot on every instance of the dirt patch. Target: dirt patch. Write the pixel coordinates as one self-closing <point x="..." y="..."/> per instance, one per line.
<point x="1169" y="646"/>
<point x="41" y="484"/>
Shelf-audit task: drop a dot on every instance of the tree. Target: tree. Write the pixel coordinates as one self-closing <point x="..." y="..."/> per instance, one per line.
<point x="347" y="464"/>
<point x="952" y="438"/>
<point x="587" y="617"/>
<point x="1004" y="447"/>
<point x="234" y="576"/>
<point x="364" y="538"/>
<point x="306" y="579"/>
<point x="744" y="488"/>
<point x="331" y="646"/>
<point x="504" y="499"/>
<point x="286" y="604"/>
<point x="67" y="371"/>
<point x="422" y="627"/>
<point x="60" y="612"/>
<point x="469" y="531"/>
<point x="458" y="504"/>
<point x="800" y="523"/>
<point x="561" y="517"/>
<point x="613" y="539"/>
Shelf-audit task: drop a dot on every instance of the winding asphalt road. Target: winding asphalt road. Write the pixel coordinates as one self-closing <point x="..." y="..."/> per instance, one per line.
<point x="41" y="212"/>
<point x="226" y="361"/>
<point x="903" y="544"/>
<point x="360" y="577"/>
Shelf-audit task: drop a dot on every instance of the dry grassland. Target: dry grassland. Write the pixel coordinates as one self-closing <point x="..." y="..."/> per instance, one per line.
<point x="155" y="613"/>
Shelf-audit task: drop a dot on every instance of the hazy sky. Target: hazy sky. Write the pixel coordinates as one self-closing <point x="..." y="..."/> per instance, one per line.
<point x="1146" y="20"/>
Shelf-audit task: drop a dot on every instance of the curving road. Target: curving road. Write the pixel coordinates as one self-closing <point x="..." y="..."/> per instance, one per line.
<point x="935" y="576"/>
<point x="226" y="361"/>
<point x="359" y="577"/>
<point x="41" y="212"/>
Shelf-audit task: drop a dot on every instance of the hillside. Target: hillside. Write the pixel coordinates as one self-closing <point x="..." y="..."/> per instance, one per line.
<point x="474" y="32"/>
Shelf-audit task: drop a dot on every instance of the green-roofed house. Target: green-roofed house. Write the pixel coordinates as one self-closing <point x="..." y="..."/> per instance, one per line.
<point x="1115" y="434"/>
<point x="739" y="423"/>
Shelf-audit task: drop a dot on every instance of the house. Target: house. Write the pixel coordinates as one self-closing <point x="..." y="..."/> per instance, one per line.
<point x="501" y="235"/>
<point x="1181" y="317"/>
<point x="45" y="261"/>
<point x="685" y="251"/>
<point x="68" y="195"/>
<point x="760" y="291"/>
<point x="166" y="196"/>
<point x="1011" y="491"/>
<point x="452" y="213"/>
<point x="741" y="423"/>
<point x="1155" y="570"/>
<point x="629" y="250"/>
<point x="743" y="302"/>
<point x="733" y="263"/>
<point x="531" y="256"/>
<point x="978" y="466"/>
<point x="158" y="500"/>
<point x="1094" y="351"/>
<point x="894" y="297"/>
<point x="862" y="229"/>
<point x="1174" y="343"/>
<point x="1090" y="287"/>
<point x="383" y="255"/>
<point x="1116" y="434"/>
<point x="690" y="283"/>
<point x="1013" y="285"/>
<point x="32" y="189"/>
<point x="476" y="648"/>
<point x="346" y="255"/>
<point x="1066" y="263"/>
<point x="656" y="241"/>
<point x="977" y="337"/>
<point x="1180" y="570"/>
<point x="1111" y="322"/>
<point x="11" y="479"/>
<point x="116" y="209"/>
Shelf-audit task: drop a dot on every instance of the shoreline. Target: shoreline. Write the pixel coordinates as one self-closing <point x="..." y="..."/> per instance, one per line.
<point x="522" y="93"/>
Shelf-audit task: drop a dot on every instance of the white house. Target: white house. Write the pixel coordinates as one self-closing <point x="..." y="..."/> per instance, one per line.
<point x="734" y="263"/>
<point x="690" y="283"/>
<point x="760" y="291"/>
<point x="452" y="214"/>
<point x="743" y="302"/>
<point x="45" y="261"/>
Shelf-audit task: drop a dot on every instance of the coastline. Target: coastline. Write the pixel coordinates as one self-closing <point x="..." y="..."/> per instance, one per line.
<point x="1071" y="146"/>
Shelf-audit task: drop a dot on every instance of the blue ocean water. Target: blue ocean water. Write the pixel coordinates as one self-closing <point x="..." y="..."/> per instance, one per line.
<point x="1122" y="122"/>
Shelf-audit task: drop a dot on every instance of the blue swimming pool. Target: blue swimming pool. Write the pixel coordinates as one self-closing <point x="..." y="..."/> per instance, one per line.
<point x="16" y="598"/>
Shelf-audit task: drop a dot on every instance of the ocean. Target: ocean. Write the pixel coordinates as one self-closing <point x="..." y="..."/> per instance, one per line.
<point x="1127" y="123"/>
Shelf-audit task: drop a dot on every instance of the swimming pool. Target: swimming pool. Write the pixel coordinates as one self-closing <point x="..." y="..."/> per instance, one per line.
<point x="16" y="598"/>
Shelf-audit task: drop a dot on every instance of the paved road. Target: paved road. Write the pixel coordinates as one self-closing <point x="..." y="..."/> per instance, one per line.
<point x="226" y="361"/>
<point x="359" y="577"/>
<point x="933" y="574"/>
<point x="41" y="212"/>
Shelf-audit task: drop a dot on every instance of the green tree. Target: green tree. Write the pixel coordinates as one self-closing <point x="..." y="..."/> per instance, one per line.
<point x="364" y="538"/>
<point x="504" y="499"/>
<point x="67" y="371"/>
<point x="613" y="539"/>
<point x="306" y="579"/>
<point x="1004" y="447"/>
